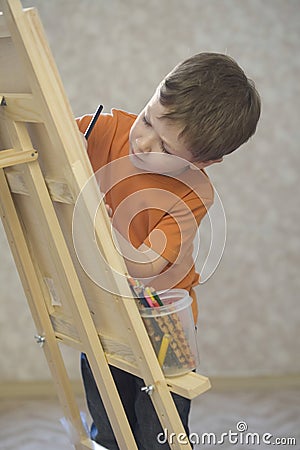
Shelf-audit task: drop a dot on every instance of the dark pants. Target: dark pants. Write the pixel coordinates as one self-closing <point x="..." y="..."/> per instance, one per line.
<point x="138" y="408"/>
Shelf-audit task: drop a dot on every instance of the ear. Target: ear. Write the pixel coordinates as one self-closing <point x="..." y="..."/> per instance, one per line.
<point x="202" y="164"/>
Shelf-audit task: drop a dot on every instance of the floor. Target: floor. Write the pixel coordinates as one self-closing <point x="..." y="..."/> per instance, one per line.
<point x="34" y="424"/>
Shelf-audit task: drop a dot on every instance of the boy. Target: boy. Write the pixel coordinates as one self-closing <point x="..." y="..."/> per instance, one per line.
<point x="152" y="172"/>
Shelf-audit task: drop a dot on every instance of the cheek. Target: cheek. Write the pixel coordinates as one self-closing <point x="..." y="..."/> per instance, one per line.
<point x="159" y="163"/>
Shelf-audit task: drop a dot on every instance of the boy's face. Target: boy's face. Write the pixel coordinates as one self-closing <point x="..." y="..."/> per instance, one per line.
<point x="155" y="145"/>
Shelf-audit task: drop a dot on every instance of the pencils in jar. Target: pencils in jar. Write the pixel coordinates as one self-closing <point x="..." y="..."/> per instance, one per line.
<point x="147" y="295"/>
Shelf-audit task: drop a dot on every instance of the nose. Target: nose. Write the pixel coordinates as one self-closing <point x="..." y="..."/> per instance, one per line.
<point x="144" y="144"/>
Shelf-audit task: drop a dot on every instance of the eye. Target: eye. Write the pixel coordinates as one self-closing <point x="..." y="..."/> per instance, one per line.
<point x="146" y="122"/>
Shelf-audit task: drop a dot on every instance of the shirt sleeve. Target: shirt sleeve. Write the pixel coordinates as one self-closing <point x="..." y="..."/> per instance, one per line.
<point x="109" y="138"/>
<point x="173" y="236"/>
<point x="100" y="139"/>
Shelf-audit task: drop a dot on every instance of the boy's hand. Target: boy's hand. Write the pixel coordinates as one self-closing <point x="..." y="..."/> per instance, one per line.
<point x="109" y="210"/>
<point x="84" y="140"/>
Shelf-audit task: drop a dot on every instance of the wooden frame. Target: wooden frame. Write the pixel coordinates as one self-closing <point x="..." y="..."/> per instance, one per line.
<point x="43" y="170"/>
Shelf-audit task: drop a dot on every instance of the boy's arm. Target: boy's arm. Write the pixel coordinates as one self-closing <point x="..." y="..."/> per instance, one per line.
<point x="142" y="262"/>
<point x="170" y="243"/>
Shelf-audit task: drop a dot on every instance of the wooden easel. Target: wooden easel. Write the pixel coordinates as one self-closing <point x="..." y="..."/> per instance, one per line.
<point x="43" y="169"/>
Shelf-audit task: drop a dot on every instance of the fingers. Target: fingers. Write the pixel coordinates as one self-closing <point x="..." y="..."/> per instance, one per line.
<point x="109" y="210"/>
<point x="83" y="140"/>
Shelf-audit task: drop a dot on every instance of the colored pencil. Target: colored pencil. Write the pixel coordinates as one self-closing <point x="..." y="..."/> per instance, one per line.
<point x="163" y="348"/>
<point x="93" y="121"/>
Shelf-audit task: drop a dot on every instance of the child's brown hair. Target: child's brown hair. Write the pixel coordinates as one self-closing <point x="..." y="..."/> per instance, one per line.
<point x="217" y="105"/>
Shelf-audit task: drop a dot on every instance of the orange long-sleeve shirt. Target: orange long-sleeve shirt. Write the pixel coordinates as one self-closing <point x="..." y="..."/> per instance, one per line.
<point x="158" y="210"/>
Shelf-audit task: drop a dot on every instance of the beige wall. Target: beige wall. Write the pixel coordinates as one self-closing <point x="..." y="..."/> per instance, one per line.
<point x="115" y="52"/>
